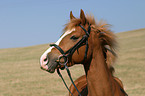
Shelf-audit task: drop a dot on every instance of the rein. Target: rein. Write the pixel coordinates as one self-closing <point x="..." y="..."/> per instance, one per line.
<point x="67" y="54"/>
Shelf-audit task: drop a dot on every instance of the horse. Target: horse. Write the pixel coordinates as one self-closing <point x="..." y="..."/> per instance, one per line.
<point x="83" y="42"/>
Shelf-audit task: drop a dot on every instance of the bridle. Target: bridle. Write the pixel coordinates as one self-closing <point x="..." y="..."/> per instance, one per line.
<point x="67" y="54"/>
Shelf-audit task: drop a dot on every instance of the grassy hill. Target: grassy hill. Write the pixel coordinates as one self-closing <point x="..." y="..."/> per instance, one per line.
<point x="20" y="73"/>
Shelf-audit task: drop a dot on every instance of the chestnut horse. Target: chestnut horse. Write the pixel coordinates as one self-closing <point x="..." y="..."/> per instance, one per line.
<point x="83" y="43"/>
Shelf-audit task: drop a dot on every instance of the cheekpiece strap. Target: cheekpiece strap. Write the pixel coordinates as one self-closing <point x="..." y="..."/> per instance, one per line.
<point x="87" y="32"/>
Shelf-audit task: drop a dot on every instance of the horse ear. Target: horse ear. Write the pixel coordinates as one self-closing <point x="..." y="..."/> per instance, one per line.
<point x="71" y="16"/>
<point x="82" y="16"/>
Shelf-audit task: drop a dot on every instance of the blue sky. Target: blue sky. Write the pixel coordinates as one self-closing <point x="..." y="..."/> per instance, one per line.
<point x="33" y="22"/>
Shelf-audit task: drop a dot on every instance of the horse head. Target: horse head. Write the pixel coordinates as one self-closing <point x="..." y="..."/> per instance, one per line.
<point x="76" y="44"/>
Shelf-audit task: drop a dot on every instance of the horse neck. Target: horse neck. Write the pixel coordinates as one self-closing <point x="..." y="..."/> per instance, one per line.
<point x="99" y="78"/>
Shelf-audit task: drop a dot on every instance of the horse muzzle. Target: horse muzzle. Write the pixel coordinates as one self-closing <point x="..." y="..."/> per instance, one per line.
<point x="48" y="63"/>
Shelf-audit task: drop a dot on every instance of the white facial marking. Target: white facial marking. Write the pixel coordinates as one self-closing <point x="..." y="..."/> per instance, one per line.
<point x="65" y="34"/>
<point x="57" y="43"/>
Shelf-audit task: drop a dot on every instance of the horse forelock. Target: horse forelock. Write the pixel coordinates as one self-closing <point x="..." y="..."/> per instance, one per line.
<point x="77" y="21"/>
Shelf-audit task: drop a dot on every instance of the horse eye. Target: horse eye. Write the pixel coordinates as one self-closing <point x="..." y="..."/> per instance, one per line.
<point x="74" y="37"/>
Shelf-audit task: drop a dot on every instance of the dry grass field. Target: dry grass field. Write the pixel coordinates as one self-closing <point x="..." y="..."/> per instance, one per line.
<point x="20" y="73"/>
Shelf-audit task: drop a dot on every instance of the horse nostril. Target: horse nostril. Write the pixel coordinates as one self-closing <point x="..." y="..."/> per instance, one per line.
<point x="45" y="59"/>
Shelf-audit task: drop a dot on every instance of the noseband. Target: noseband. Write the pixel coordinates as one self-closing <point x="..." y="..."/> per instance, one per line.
<point x="67" y="54"/>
